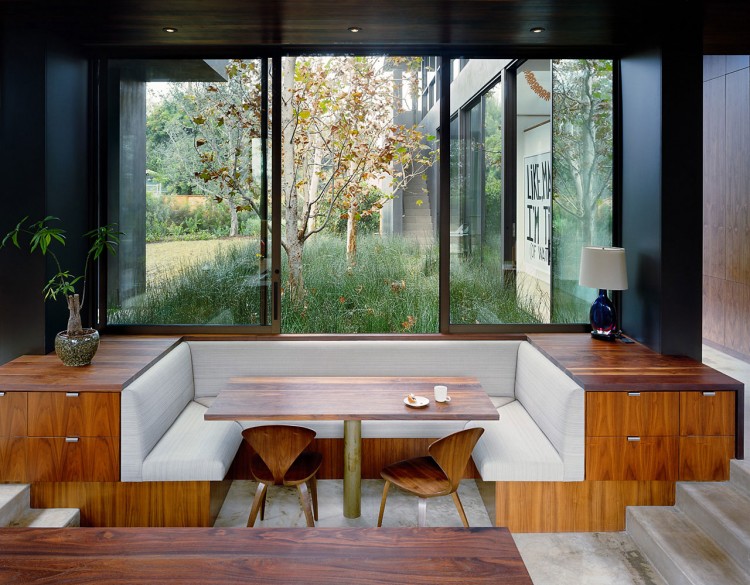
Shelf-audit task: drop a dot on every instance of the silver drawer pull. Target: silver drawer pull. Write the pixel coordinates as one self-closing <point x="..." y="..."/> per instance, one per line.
<point x="634" y="393"/>
<point x="71" y="439"/>
<point x="709" y="394"/>
<point x="2" y="394"/>
<point x="71" y="394"/>
<point x="634" y="439"/>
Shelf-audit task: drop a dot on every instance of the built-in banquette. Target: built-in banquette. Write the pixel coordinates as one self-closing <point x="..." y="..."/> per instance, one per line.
<point x="582" y="431"/>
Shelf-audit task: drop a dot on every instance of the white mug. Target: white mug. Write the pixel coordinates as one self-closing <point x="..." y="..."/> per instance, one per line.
<point x="441" y="394"/>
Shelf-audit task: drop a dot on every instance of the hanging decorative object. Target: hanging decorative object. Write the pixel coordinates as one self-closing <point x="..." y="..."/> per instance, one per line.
<point x="536" y="87"/>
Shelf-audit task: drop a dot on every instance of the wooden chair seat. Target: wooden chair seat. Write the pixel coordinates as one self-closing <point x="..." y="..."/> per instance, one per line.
<point x="438" y="474"/>
<point x="280" y="459"/>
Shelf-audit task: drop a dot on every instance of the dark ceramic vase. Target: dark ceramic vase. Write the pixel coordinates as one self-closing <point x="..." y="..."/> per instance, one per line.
<point x="77" y="350"/>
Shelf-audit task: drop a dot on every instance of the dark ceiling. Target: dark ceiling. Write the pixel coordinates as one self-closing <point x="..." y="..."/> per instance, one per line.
<point x="418" y="23"/>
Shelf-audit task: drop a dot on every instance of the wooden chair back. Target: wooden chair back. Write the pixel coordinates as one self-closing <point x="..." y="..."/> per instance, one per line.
<point x="452" y="453"/>
<point x="278" y="446"/>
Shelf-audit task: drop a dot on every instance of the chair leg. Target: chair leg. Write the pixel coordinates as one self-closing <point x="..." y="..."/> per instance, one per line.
<point x="263" y="505"/>
<point x="422" y="515"/>
<point x="314" y="495"/>
<point x="258" y="500"/>
<point x="304" y="500"/>
<point x="382" y="502"/>
<point x="460" y="508"/>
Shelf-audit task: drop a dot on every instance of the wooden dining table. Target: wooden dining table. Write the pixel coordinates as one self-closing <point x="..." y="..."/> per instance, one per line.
<point x="351" y="400"/>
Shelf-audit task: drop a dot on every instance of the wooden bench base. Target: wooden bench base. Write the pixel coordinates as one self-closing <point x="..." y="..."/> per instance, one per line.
<point x="434" y="556"/>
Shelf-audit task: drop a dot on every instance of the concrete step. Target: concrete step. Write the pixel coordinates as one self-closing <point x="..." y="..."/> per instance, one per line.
<point x="679" y="549"/>
<point x="15" y="510"/>
<point x="48" y="518"/>
<point x="739" y="475"/>
<point x="722" y="512"/>
<point x="14" y="500"/>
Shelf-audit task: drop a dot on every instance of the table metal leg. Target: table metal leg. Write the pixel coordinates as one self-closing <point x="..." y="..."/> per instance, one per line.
<point x="352" y="468"/>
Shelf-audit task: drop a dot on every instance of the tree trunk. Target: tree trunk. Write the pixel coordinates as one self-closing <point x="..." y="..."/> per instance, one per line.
<point x="234" y="222"/>
<point x="351" y="234"/>
<point x="74" y="320"/>
<point x="294" y="233"/>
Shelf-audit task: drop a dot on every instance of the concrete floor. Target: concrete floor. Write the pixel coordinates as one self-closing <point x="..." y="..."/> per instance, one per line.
<point x="608" y="558"/>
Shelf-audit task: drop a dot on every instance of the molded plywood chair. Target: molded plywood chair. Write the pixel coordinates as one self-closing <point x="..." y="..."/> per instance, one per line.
<point x="438" y="474"/>
<point x="280" y="459"/>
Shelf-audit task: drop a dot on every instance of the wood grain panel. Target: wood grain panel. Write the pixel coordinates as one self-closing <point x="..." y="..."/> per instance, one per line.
<point x="587" y="506"/>
<point x="314" y="556"/>
<point x="737" y="317"/>
<point x="618" y="414"/>
<point x="149" y="503"/>
<point x="709" y="413"/>
<point x="617" y="458"/>
<point x="13" y="414"/>
<point x="714" y="179"/>
<point x="84" y="414"/>
<point x="714" y="310"/>
<point x="376" y="454"/>
<point x="13" y="459"/>
<point x="88" y="459"/>
<point x="705" y="458"/>
<point x="738" y="175"/>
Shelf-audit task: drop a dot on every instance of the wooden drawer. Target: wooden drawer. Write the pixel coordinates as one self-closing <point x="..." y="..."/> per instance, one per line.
<point x="12" y="414"/>
<point x="13" y="459"/>
<point x="707" y="413"/>
<point x="72" y="414"/>
<point x="632" y="458"/>
<point x="640" y="414"/>
<point x="73" y="458"/>
<point x="705" y="458"/>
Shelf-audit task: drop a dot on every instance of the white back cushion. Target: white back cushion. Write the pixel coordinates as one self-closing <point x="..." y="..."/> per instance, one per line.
<point x="150" y="404"/>
<point x="493" y="362"/>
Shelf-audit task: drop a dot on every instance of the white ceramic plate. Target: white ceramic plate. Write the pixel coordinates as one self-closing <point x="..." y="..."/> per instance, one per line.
<point x="421" y="401"/>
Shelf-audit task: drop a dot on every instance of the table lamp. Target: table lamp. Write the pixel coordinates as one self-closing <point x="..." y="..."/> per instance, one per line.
<point x="604" y="269"/>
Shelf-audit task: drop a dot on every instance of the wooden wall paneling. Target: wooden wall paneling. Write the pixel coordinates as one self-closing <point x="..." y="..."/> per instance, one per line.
<point x="737" y="319"/>
<point x="587" y="506"/>
<point x="90" y="414"/>
<point x="714" y="178"/>
<point x="617" y="458"/>
<point x="13" y="459"/>
<point x="707" y="413"/>
<point x="714" y="309"/>
<point x="13" y="414"/>
<point x="86" y="459"/>
<point x="738" y="175"/>
<point x="618" y="414"/>
<point x="705" y="458"/>
<point x="173" y="503"/>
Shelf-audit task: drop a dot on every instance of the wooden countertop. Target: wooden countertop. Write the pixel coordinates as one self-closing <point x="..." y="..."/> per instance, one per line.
<point x="118" y="360"/>
<point x="613" y="365"/>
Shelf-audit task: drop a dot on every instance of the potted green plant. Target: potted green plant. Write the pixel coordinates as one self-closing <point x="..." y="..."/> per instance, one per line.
<point x="76" y="345"/>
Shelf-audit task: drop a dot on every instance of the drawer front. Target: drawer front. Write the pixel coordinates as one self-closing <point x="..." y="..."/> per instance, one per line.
<point x="13" y="459"/>
<point x="73" y="459"/>
<point x="641" y="414"/>
<point x="12" y="414"/>
<point x="66" y="414"/>
<point x="632" y="458"/>
<point x="705" y="458"/>
<point x="707" y="413"/>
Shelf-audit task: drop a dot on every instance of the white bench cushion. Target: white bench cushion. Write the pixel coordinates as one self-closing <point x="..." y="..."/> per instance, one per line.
<point x="150" y="404"/>
<point x="514" y="449"/>
<point x="193" y="449"/>
<point x="556" y="404"/>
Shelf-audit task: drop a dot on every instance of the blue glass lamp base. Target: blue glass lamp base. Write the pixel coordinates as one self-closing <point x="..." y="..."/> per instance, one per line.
<point x="603" y="318"/>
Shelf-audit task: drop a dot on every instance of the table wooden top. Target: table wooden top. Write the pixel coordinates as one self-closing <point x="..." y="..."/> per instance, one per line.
<point x="212" y="556"/>
<point x="348" y="398"/>
<point x="596" y="364"/>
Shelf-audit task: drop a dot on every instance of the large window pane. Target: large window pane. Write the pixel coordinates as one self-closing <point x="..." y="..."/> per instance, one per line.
<point x="187" y="187"/>
<point x="359" y="195"/>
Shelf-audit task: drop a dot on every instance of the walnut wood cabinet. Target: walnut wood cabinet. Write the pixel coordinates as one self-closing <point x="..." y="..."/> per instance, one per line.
<point x="60" y="436"/>
<point x="659" y="436"/>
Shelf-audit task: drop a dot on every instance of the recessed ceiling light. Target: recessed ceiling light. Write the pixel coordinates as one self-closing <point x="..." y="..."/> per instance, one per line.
<point x="354" y="29"/>
<point x="537" y="29"/>
<point x="169" y="29"/>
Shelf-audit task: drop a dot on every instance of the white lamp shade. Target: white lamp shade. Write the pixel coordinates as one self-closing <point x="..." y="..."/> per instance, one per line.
<point x="603" y="268"/>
